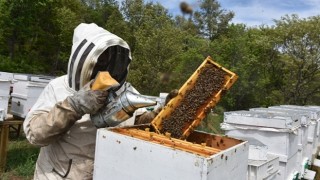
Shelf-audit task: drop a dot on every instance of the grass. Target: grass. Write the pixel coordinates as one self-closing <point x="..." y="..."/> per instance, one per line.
<point x="21" y="160"/>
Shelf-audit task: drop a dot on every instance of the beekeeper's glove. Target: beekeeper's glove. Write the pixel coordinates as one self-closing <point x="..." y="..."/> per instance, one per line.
<point x="171" y="95"/>
<point x="149" y="116"/>
<point x="87" y="101"/>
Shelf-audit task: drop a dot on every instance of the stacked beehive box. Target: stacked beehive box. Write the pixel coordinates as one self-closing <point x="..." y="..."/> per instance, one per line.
<point x="26" y="91"/>
<point x="6" y="81"/>
<point x="318" y="120"/>
<point x="4" y="97"/>
<point x="289" y="132"/>
<point x="276" y="131"/>
<point x="312" y="125"/>
<point x="303" y="159"/>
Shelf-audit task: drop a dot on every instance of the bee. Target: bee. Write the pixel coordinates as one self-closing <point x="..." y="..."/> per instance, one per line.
<point x="185" y="8"/>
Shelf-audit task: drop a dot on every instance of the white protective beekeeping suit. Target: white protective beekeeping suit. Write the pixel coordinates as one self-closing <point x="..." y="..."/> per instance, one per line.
<point x="67" y="139"/>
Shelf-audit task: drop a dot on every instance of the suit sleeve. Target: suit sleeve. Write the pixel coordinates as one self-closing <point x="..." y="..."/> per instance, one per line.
<point x="48" y="119"/>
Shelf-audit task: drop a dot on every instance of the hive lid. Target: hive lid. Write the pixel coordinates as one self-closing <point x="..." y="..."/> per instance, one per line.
<point x="24" y="77"/>
<point x="43" y="79"/>
<point x="313" y="113"/>
<point x="4" y="80"/>
<point x="6" y="75"/>
<point x="196" y="97"/>
<point x="262" y="119"/>
<point x="304" y="116"/>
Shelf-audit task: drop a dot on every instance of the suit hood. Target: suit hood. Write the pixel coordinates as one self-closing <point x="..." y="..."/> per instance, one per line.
<point x="95" y="49"/>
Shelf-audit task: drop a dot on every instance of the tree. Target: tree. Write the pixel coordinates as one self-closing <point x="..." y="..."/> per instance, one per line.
<point x="249" y="52"/>
<point x="156" y="42"/>
<point x="298" y="42"/>
<point x="38" y="33"/>
<point x="211" y="20"/>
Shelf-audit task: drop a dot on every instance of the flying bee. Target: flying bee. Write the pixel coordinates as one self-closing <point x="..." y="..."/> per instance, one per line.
<point x="186" y="8"/>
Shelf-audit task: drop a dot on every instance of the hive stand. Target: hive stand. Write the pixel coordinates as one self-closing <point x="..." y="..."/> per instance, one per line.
<point x="4" y="138"/>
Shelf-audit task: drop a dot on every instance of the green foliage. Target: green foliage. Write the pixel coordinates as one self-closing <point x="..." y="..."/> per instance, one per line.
<point x="211" y="20"/>
<point x="21" y="159"/>
<point x="298" y="41"/>
<point x="276" y="65"/>
<point x="22" y="66"/>
<point x="158" y="43"/>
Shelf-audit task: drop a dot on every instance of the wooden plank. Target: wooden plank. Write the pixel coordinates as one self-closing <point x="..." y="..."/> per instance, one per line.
<point x="200" y="149"/>
<point x="4" y="137"/>
<point x="12" y="122"/>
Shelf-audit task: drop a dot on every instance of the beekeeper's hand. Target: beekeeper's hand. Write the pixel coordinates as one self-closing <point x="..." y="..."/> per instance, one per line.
<point x="147" y="117"/>
<point x="87" y="101"/>
<point x="171" y="95"/>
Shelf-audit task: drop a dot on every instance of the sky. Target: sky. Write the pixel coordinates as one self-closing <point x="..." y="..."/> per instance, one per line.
<point x="255" y="12"/>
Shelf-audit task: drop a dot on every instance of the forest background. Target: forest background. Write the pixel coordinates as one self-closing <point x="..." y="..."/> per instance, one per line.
<point x="278" y="64"/>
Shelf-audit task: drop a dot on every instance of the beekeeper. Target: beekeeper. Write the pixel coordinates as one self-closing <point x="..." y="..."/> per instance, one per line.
<point x="59" y="121"/>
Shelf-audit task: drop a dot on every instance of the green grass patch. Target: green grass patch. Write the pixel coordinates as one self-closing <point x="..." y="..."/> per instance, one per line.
<point x="21" y="160"/>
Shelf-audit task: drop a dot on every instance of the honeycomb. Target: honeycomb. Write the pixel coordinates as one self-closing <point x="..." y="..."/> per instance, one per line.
<point x="195" y="99"/>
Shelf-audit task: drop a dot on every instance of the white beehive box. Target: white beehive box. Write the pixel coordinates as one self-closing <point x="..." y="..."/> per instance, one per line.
<point x="6" y="75"/>
<point x="258" y="152"/>
<point x="312" y="126"/>
<point x="282" y="144"/>
<point x="122" y="156"/>
<point x="273" y="169"/>
<point x="304" y="119"/>
<point x="302" y="133"/>
<point x="289" y="169"/>
<point x="318" y="127"/>
<point x="4" y="97"/>
<point x="315" y="118"/>
<point x="4" y="87"/>
<point x="261" y="128"/>
<point x="26" y="91"/>
<point x="264" y="169"/>
<point x="261" y="119"/>
<point x="2" y="115"/>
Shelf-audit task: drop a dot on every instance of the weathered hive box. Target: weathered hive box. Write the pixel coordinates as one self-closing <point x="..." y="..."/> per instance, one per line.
<point x="136" y="153"/>
<point x="262" y="119"/>
<point x="196" y="97"/>
<point x="4" y="87"/>
<point x="264" y="169"/>
<point x="303" y="159"/>
<point x="2" y="114"/>
<point x="318" y="127"/>
<point x="6" y="76"/>
<point x="277" y="132"/>
<point x="4" y="97"/>
<point x="311" y="147"/>
<point x="26" y="90"/>
<point x="315" y="118"/>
